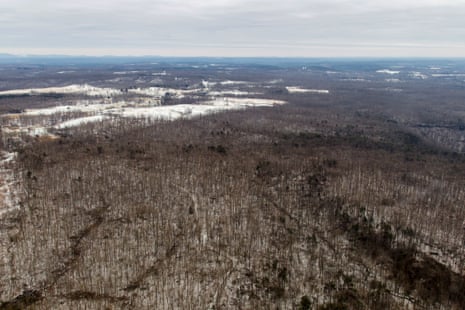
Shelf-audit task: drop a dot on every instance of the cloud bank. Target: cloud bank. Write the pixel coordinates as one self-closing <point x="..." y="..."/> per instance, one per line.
<point x="234" y="28"/>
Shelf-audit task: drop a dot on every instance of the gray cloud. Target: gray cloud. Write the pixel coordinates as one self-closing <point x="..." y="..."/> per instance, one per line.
<point x="235" y="27"/>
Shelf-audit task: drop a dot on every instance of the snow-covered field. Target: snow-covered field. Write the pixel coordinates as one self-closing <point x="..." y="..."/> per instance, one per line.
<point x="209" y="84"/>
<point x="43" y="121"/>
<point x="172" y="112"/>
<point x="160" y="92"/>
<point x="387" y="89"/>
<point x="93" y="91"/>
<point x="387" y="71"/>
<point x="79" y="107"/>
<point x="233" y="92"/>
<point x="126" y="72"/>
<point x="297" y="90"/>
<point x="70" y="90"/>
<point x="448" y="75"/>
<point x="355" y="80"/>
<point x="81" y="121"/>
<point x="419" y="75"/>
<point x="228" y="82"/>
<point x="163" y="73"/>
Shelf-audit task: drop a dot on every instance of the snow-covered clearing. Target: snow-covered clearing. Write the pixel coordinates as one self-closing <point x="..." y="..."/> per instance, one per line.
<point x="297" y="90"/>
<point x="173" y="112"/>
<point x="87" y="108"/>
<point x="208" y="84"/>
<point x="448" y="75"/>
<point x="71" y="89"/>
<point x="163" y="73"/>
<point x="233" y="92"/>
<point x="276" y="81"/>
<point x="126" y="72"/>
<point x="81" y="121"/>
<point x="387" y="89"/>
<point x="393" y="90"/>
<point x="143" y="103"/>
<point x="93" y="91"/>
<point x="387" y="71"/>
<point x="355" y="80"/>
<point x="34" y="130"/>
<point x="228" y="82"/>
<point x="55" y="117"/>
<point x="228" y="103"/>
<point x="160" y="92"/>
<point x="419" y="75"/>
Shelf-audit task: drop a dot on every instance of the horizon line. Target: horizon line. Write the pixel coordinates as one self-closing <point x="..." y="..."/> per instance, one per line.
<point x="51" y="55"/>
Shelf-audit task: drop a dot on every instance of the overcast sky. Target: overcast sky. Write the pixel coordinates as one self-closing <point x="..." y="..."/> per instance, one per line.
<point x="234" y="27"/>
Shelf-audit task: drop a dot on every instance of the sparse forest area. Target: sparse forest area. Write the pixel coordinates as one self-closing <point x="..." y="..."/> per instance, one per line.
<point x="352" y="200"/>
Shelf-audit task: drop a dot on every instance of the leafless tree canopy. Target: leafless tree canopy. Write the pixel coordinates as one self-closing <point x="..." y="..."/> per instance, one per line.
<point x="341" y="202"/>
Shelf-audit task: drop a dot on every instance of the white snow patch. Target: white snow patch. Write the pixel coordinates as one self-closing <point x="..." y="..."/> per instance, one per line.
<point x="37" y="131"/>
<point x="207" y="84"/>
<point x="115" y="80"/>
<point x="54" y="110"/>
<point x="228" y="82"/>
<point x="98" y="92"/>
<point x="393" y="80"/>
<point x="87" y="108"/>
<point x="388" y="89"/>
<point x="81" y="121"/>
<point x="156" y="81"/>
<point x="161" y="112"/>
<point x="419" y="75"/>
<point x="228" y="102"/>
<point x="29" y="130"/>
<point x="8" y="157"/>
<point x="160" y="92"/>
<point x="448" y="75"/>
<point x="355" y="80"/>
<point x="8" y="193"/>
<point x="233" y="92"/>
<point x="126" y="72"/>
<point x="191" y="110"/>
<point x="387" y="71"/>
<point x="296" y="90"/>
<point x="101" y="112"/>
<point x="394" y="90"/>
<point x="71" y="89"/>
<point x="64" y="72"/>
<point x="163" y="73"/>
